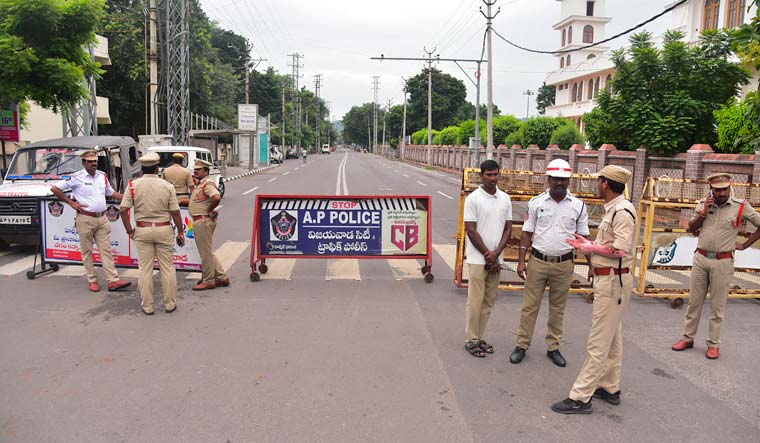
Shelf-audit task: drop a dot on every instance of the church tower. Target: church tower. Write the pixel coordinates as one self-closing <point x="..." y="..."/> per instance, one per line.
<point x="582" y="24"/>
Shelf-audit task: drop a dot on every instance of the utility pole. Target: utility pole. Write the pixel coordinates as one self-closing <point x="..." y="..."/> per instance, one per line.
<point x="403" y="126"/>
<point x="250" y="65"/>
<point x="489" y="88"/>
<point x="527" y="107"/>
<point x="318" y="121"/>
<point x="296" y="65"/>
<point x="329" y="122"/>
<point x="385" y="117"/>
<point x="282" y="130"/>
<point x="430" y="105"/>
<point x="375" y="86"/>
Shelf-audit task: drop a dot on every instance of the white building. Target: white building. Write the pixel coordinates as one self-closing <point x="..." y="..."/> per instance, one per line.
<point x="580" y="75"/>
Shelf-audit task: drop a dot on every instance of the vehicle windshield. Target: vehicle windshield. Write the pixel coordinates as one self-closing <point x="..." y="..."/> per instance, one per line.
<point x="166" y="159"/>
<point x="45" y="163"/>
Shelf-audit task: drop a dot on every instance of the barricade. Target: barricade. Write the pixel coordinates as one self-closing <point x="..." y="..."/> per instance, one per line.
<point x="521" y="187"/>
<point x="329" y="226"/>
<point x="666" y="250"/>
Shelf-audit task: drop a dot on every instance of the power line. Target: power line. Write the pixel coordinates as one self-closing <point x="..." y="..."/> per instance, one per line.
<point x="627" y="31"/>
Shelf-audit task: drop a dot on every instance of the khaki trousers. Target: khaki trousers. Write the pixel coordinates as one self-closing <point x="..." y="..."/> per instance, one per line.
<point x="481" y="297"/>
<point x="717" y="275"/>
<point x="204" y="240"/>
<point x="604" y="356"/>
<point x="98" y="229"/>
<point x="152" y="243"/>
<point x="558" y="276"/>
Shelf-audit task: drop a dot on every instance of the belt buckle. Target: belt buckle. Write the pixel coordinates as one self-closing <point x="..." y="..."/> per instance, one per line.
<point x="712" y="255"/>
<point x="552" y="259"/>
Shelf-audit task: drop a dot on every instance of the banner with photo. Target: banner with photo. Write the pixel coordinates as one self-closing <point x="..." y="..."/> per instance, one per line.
<point x="61" y="239"/>
<point x="677" y="249"/>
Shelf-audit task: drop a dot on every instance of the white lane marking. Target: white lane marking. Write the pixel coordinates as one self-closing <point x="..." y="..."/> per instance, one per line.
<point x="343" y="269"/>
<point x="69" y="271"/>
<point x="286" y="173"/>
<point x="405" y="175"/>
<point x="296" y="169"/>
<point x="271" y="179"/>
<point x="458" y="180"/>
<point x="341" y="177"/>
<point x="17" y="266"/>
<point x="227" y="254"/>
<point x="447" y="196"/>
<point x="345" y="182"/>
<point x="421" y="184"/>
<point x="405" y="269"/>
<point x="279" y="269"/>
<point x="250" y="190"/>
<point x="448" y="253"/>
<point x="134" y="273"/>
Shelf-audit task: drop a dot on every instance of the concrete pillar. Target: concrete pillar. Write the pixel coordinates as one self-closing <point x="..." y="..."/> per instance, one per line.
<point x="513" y="156"/>
<point x="549" y="153"/>
<point x="695" y="167"/>
<point x="573" y="156"/>
<point x="602" y="154"/>
<point x="756" y="169"/>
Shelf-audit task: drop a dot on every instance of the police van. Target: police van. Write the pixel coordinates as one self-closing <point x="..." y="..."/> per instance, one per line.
<point x="191" y="154"/>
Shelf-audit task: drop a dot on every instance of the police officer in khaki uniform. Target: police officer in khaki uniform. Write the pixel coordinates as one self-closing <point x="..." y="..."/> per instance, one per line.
<point x="204" y="199"/>
<point x="717" y="221"/>
<point x="612" y="255"/>
<point x="154" y="202"/>
<point x="179" y="176"/>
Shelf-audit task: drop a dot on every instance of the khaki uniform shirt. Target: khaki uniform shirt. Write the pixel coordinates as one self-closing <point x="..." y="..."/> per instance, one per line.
<point x="152" y="197"/>
<point x="180" y="177"/>
<point x="718" y="233"/>
<point x="200" y="199"/>
<point x="617" y="230"/>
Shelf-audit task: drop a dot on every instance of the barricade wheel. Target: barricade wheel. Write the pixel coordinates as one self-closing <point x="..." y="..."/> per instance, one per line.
<point x="263" y="268"/>
<point x="30" y="275"/>
<point x="676" y="303"/>
<point x="589" y="298"/>
<point x="255" y="276"/>
<point x="425" y="269"/>
<point x="429" y="278"/>
<point x="55" y="268"/>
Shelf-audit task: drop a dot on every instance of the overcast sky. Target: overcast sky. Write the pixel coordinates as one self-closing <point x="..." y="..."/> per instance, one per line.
<point x="338" y="37"/>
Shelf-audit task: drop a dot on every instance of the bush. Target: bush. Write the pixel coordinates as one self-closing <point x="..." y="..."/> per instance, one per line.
<point x="515" y="138"/>
<point x="503" y="125"/>
<point x="448" y="136"/>
<point x="567" y="136"/>
<point x="736" y="128"/>
<point x="539" y="130"/>
<point x="420" y="137"/>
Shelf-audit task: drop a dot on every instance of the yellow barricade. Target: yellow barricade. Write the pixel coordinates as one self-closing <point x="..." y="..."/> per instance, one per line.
<point x="521" y="187"/>
<point x="666" y="250"/>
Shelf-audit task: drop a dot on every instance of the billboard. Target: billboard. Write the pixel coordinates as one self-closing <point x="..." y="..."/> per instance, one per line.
<point x="247" y="117"/>
<point x="9" y="123"/>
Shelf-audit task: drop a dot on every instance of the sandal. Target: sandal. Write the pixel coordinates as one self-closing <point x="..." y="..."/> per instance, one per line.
<point x="474" y="349"/>
<point x="488" y="349"/>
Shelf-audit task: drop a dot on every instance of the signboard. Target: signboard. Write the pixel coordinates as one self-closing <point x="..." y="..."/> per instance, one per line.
<point x="678" y="250"/>
<point x="9" y="123"/>
<point x="247" y="115"/>
<point x="343" y="227"/>
<point x="61" y="239"/>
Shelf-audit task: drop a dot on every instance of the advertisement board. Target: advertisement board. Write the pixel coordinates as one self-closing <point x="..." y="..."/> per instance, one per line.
<point x="343" y="227"/>
<point x="247" y="115"/>
<point x="60" y="239"/>
<point x="9" y="123"/>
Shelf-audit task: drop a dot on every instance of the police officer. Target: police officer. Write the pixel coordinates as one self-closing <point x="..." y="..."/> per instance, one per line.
<point x="154" y="202"/>
<point x="717" y="221"/>
<point x="89" y="188"/>
<point x="204" y="199"/>
<point x="612" y="255"/>
<point x="553" y="217"/>
<point x="179" y="176"/>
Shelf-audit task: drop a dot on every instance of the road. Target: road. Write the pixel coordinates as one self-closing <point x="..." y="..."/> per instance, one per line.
<point x="342" y="350"/>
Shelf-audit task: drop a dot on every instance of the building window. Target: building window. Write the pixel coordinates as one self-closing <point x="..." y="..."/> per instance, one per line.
<point x="570" y="34"/>
<point x="561" y="62"/>
<point x="590" y="9"/>
<point x="590" y="93"/>
<point x="564" y="36"/>
<point x="596" y="86"/>
<point x="560" y="87"/>
<point x="735" y="13"/>
<point x="590" y="56"/>
<point x="568" y="60"/>
<point x="574" y="96"/>
<point x="588" y="34"/>
<point x="710" y="15"/>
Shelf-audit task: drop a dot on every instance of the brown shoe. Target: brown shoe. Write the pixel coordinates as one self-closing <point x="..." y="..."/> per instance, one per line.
<point x="682" y="344"/>
<point x="118" y="284"/>
<point x="94" y="286"/>
<point x="203" y="286"/>
<point x="222" y="282"/>
<point x="712" y="353"/>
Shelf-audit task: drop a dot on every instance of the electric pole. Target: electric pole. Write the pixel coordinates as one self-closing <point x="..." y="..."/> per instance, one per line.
<point x="527" y="107"/>
<point x="296" y="65"/>
<point x="318" y="122"/>
<point x="403" y="126"/>
<point x="153" y="70"/>
<point x="329" y="122"/>
<point x="250" y="65"/>
<point x="430" y="105"/>
<point x="375" y="86"/>
<point x="385" y="117"/>
<point x="282" y="130"/>
<point x="489" y="88"/>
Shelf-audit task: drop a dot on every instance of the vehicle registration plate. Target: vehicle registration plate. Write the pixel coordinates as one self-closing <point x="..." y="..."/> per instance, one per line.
<point x="15" y="219"/>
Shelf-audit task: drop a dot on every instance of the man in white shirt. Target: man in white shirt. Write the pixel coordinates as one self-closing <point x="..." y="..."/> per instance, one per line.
<point x="553" y="217"/>
<point x="488" y="223"/>
<point x="89" y="188"/>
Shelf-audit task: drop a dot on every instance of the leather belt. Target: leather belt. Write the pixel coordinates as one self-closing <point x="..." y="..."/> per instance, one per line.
<point x="200" y="217"/>
<point x="608" y="271"/>
<point x="716" y="255"/>
<point x="142" y="224"/>
<point x="91" y="214"/>
<point x="187" y="194"/>
<point x="552" y="259"/>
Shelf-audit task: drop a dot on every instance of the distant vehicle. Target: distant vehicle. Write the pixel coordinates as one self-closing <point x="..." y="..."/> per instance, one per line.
<point x="291" y="153"/>
<point x="325" y="149"/>
<point x="275" y="156"/>
<point x="191" y="153"/>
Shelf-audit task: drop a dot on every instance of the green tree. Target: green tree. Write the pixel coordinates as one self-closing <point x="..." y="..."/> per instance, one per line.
<point x="664" y="98"/>
<point x="515" y="138"/>
<point x="503" y="125"/>
<point x="539" y="130"/>
<point x="467" y="130"/>
<point x="357" y="123"/>
<point x="545" y="97"/>
<point x="738" y="125"/>
<point x="566" y="136"/>
<point x="42" y="50"/>
<point x="448" y="96"/>
<point x="448" y="136"/>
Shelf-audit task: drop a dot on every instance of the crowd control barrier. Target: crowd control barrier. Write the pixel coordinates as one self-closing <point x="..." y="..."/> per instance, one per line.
<point x="521" y="187"/>
<point x="666" y="250"/>
<point x="329" y="226"/>
<point x="59" y="241"/>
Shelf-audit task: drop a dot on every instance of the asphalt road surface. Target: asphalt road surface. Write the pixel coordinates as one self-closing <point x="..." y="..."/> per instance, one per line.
<point x="343" y="350"/>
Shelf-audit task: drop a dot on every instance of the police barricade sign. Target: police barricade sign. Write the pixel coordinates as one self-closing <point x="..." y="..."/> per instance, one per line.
<point x="666" y="250"/>
<point x="359" y="227"/>
<point x="60" y="239"/>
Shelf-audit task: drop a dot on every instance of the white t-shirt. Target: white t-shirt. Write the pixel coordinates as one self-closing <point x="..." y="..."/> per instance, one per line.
<point x="552" y="223"/>
<point x="490" y="213"/>
<point x="89" y="191"/>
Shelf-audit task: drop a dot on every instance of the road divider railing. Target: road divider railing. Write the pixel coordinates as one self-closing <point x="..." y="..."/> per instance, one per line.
<point x="341" y="227"/>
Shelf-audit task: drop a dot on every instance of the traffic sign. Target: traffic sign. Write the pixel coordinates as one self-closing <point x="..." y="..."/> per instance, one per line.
<point x="9" y="125"/>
